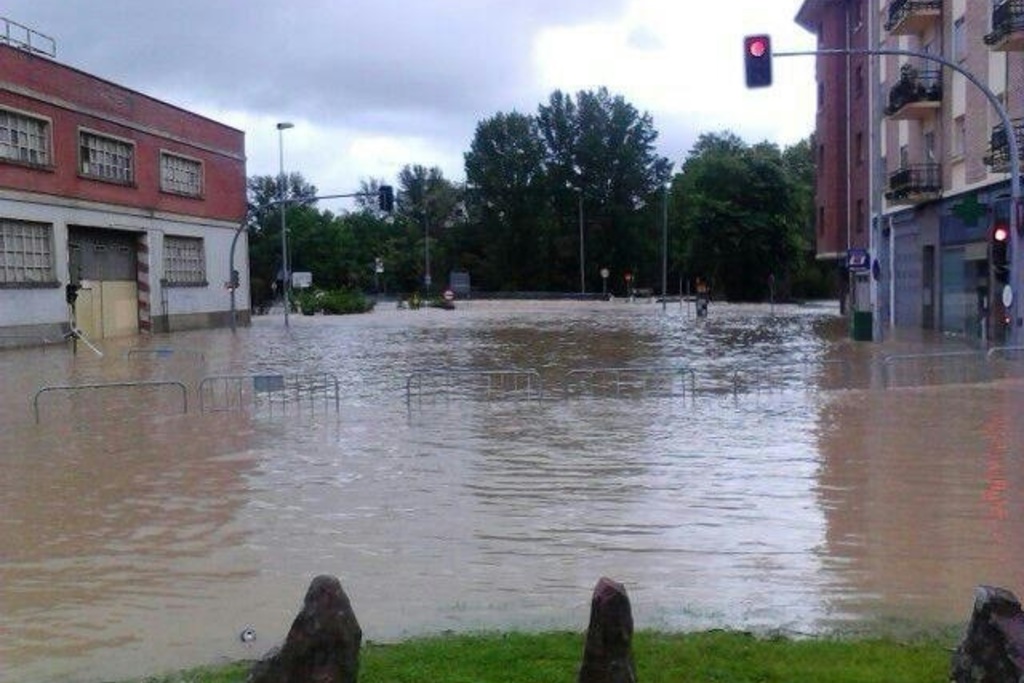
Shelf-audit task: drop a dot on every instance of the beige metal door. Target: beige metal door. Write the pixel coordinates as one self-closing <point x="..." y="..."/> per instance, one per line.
<point x="107" y="309"/>
<point x="103" y="263"/>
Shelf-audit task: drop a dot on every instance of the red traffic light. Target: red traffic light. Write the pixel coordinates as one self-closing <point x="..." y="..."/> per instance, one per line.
<point x="1001" y="233"/>
<point x="757" y="46"/>
<point x="757" y="60"/>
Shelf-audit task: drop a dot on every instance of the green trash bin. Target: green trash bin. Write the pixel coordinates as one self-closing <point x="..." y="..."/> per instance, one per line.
<point x="862" y="326"/>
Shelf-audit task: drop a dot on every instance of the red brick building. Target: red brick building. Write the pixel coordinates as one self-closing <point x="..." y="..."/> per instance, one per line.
<point x="133" y="200"/>
<point x="914" y="156"/>
<point x="843" y="205"/>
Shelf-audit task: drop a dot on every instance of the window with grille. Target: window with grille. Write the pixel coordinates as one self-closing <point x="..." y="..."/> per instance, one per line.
<point x="24" y="138"/>
<point x="181" y="175"/>
<point x="26" y="253"/>
<point x="106" y="158"/>
<point x="184" y="261"/>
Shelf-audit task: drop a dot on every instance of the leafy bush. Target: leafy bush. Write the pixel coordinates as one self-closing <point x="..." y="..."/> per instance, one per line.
<point x="332" y="302"/>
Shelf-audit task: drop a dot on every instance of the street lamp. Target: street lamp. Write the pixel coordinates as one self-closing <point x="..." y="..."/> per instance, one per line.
<point x="664" y="250"/>
<point x="426" y="255"/>
<point x="282" y="188"/>
<point x="583" y="275"/>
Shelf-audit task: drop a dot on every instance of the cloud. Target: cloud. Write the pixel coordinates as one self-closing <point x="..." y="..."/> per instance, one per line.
<point x="375" y="84"/>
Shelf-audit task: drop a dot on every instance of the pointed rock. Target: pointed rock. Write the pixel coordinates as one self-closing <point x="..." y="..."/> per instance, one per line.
<point x="992" y="649"/>
<point x="323" y="643"/>
<point x="608" y="652"/>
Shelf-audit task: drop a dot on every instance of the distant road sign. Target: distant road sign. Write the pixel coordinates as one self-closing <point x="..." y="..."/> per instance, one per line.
<point x="458" y="282"/>
<point x="857" y="260"/>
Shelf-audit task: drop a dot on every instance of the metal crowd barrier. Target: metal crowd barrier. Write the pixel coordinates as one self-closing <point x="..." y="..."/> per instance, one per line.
<point x="270" y="393"/>
<point x="630" y="382"/>
<point x="937" y="368"/>
<point x="504" y="384"/>
<point x="110" y="386"/>
<point x="1004" y="353"/>
<point x="165" y="352"/>
<point x="14" y="341"/>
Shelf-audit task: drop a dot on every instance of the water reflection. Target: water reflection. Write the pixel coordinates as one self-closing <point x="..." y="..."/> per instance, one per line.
<point x="922" y="496"/>
<point x="135" y="539"/>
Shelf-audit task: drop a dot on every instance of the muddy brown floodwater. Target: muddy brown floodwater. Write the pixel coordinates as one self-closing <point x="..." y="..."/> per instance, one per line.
<point x="781" y="480"/>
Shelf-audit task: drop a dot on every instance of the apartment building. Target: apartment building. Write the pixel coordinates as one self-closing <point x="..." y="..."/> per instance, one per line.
<point x="120" y="204"/>
<point x="925" y="154"/>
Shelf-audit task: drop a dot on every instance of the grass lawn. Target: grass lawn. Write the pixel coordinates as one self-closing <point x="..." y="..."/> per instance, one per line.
<point x="702" y="657"/>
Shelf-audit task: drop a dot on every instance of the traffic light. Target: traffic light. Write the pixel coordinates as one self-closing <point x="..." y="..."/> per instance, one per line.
<point x="757" y="60"/>
<point x="386" y="198"/>
<point x="1000" y="258"/>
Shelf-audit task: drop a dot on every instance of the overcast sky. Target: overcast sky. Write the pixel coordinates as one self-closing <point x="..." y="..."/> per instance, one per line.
<point x="372" y="85"/>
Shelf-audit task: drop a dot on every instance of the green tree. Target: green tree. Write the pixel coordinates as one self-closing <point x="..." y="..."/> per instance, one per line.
<point x="264" y="221"/>
<point x="507" y="204"/>
<point x="601" y="153"/>
<point x="739" y="216"/>
<point x="427" y="205"/>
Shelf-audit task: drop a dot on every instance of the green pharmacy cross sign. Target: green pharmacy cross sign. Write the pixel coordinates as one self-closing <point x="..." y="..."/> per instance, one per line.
<point x="970" y="210"/>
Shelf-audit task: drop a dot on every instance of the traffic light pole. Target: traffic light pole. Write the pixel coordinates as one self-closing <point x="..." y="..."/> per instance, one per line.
<point x="1016" y="207"/>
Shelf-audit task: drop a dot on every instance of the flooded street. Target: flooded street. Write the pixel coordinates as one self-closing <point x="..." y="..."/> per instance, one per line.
<point x="750" y="470"/>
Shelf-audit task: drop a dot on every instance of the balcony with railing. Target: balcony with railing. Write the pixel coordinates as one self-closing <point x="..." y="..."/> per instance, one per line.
<point x="1007" y="26"/>
<point x="916" y="95"/>
<point x="998" y="157"/>
<point x="907" y="17"/>
<point x="915" y="183"/>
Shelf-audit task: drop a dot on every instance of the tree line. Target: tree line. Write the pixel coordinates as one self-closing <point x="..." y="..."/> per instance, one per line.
<point x="739" y="216"/>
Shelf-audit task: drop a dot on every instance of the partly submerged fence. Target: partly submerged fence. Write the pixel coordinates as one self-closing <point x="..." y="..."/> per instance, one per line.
<point x="952" y="367"/>
<point x="473" y="383"/>
<point x="270" y="394"/>
<point x="164" y="353"/>
<point x="265" y="394"/>
<point x="625" y="382"/>
<point x="129" y="393"/>
<point x="629" y="381"/>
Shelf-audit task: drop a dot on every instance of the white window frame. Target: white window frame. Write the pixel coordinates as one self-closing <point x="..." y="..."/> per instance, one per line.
<point x="26" y="253"/>
<point x="25" y="138"/>
<point x="106" y="157"/>
<point x="180" y="174"/>
<point x="184" y="261"/>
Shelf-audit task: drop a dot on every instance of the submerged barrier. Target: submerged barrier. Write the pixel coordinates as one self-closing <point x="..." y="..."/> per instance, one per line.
<point x="953" y="367"/>
<point x="629" y="381"/>
<point x="283" y="393"/>
<point x="111" y="386"/>
<point x="474" y="383"/>
<point x="269" y="393"/>
<point x="165" y="352"/>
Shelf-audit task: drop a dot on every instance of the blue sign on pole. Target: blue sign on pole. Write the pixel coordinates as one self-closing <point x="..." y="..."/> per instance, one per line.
<point x="857" y="260"/>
